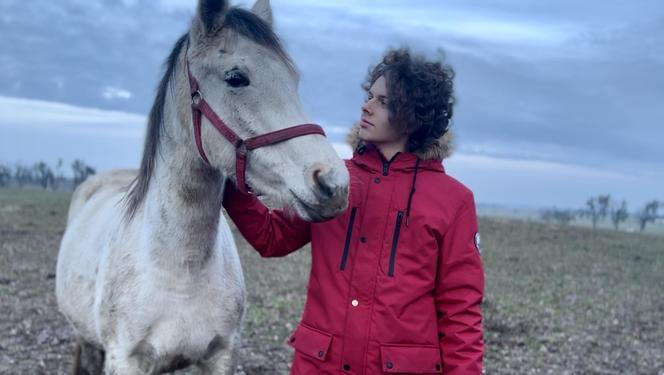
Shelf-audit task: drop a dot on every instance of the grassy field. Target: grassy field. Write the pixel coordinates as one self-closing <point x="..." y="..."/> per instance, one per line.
<point x="559" y="300"/>
<point x="631" y="225"/>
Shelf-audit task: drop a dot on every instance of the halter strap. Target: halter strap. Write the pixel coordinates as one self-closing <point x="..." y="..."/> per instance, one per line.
<point x="200" y="107"/>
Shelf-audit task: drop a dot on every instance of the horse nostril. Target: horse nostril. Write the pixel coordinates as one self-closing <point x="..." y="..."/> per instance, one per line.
<point x="328" y="185"/>
<point x="322" y="178"/>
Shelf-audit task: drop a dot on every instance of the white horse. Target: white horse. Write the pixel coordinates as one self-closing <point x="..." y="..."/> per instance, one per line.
<point x="148" y="273"/>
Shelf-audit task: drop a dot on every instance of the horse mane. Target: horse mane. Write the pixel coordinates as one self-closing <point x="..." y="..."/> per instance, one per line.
<point x="239" y="20"/>
<point x="139" y="187"/>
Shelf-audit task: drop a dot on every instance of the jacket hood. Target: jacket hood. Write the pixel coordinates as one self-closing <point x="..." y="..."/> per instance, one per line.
<point x="439" y="150"/>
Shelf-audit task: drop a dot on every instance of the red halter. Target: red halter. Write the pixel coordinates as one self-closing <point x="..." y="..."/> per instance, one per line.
<point x="200" y="107"/>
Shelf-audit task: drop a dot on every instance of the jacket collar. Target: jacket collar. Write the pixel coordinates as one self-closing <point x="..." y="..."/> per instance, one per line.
<point x="367" y="155"/>
<point x="441" y="149"/>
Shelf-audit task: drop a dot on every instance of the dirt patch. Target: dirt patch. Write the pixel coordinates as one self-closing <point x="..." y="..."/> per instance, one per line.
<point x="558" y="300"/>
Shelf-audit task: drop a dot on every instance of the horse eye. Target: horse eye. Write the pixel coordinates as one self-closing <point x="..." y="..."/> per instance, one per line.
<point x="235" y="78"/>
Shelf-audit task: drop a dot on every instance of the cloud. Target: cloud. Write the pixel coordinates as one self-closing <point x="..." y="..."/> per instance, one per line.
<point x="50" y="117"/>
<point x="575" y="83"/>
<point x="532" y="183"/>
<point x="91" y="46"/>
<point x="115" y="93"/>
<point x="34" y="130"/>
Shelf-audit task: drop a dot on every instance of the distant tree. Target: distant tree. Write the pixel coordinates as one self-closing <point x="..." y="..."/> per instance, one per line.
<point x="563" y="217"/>
<point x="22" y="175"/>
<point x="648" y="214"/>
<point x="5" y="175"/>
<point x="59" y="174"/>
<point x="619" y="214"/>
<point x="81" y="171"/>
<point x="547" y="215"/>
<point x="597" y="208"/>
<point x="43" y="174"/>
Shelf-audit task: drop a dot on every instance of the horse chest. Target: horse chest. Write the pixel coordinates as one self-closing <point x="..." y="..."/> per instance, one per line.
<point x="191" y="327"/>
<point x="206" y="305"/>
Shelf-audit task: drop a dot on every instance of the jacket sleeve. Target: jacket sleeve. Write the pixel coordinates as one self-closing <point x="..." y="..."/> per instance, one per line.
<point x="459" y="292"/>
<point x="272" y="233"/>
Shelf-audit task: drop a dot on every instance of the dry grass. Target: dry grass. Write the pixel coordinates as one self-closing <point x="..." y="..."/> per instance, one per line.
<point x="558" y="300"/>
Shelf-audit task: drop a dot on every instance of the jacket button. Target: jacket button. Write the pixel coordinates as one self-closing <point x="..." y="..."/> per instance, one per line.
<point x="437" y="366"/>
<point x="354" y="303"/>
<point x="377" y="180"/>
<point x="346" y="367"/>
<point x="363" y="239"/>
<point x="389" y="365"/>
<point x="321" y="354"/>
<point x="292" y="339"/>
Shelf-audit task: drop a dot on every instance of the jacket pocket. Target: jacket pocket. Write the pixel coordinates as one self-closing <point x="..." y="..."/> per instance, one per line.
<point x="349" y="234"/>
<point x="412" y="359"/>
<point x="395" y="242"/>
<point x="311" y="342"/>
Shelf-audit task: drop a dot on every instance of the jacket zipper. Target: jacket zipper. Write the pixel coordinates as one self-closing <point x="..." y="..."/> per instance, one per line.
<point x="349" y="232"/>
<point x="386" y="164"/>
<point x="395" y="240"/>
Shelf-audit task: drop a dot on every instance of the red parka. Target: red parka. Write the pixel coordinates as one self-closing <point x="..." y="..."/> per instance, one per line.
<point x="396" y="280"/>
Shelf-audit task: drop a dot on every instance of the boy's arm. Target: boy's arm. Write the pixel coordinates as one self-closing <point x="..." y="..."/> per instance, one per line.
<point x="272" y="233"/>
<point x="459" y="292"/>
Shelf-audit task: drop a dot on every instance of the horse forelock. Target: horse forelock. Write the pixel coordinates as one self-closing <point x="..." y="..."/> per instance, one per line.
<point x="254" y="28"/>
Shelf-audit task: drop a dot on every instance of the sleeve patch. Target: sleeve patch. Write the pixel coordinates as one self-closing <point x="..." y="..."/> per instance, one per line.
<point x="477" y="243"/>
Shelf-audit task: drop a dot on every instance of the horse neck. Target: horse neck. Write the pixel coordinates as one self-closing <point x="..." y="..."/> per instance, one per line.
<point x="183" y="203"/>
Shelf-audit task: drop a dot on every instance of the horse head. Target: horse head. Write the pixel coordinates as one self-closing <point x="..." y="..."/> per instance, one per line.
<point x="249" y="83"/>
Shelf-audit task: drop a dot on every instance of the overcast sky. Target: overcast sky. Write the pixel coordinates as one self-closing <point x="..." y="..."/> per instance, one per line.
<point x="557" y="99"/>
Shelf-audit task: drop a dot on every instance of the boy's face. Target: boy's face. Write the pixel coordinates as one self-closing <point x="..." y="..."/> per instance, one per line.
<point x="374" y="125"/>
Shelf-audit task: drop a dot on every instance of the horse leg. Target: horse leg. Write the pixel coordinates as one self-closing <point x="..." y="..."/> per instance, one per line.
<point x="221" y="358"/>
<point x="89" y="359"/>
<point x="138" y="362"/>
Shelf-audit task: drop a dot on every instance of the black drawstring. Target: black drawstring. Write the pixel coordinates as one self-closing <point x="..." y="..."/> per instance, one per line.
<point x="412" y="191"/>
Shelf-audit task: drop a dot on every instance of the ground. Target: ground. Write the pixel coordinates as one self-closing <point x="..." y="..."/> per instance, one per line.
<point x="559" y="300"/>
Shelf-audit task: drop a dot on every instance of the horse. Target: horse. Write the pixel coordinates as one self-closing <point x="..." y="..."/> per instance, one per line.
<point x="148" y="274"/>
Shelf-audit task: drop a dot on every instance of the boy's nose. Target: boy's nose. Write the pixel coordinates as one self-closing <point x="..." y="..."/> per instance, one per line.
<point x="366" y="108"/>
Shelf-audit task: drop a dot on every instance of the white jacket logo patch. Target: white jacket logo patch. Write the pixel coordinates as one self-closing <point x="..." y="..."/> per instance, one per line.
<point x="477" y="243"/>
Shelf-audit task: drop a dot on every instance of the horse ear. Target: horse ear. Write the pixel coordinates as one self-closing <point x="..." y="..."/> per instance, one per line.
<point x="263" y="10"/>
<point x="211" y="14"/>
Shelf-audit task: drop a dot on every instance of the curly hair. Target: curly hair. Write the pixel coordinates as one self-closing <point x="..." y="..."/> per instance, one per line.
<point x="420" y="96"/>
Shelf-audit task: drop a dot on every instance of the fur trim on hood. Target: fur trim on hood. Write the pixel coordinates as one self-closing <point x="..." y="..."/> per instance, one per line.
<point x="441" y="149"/>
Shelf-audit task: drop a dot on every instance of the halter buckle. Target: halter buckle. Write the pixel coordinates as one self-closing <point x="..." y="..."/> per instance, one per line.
<point x="196" y="97"/>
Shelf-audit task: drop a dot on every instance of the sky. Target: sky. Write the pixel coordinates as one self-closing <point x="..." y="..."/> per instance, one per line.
<point x="558" y="100"/>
